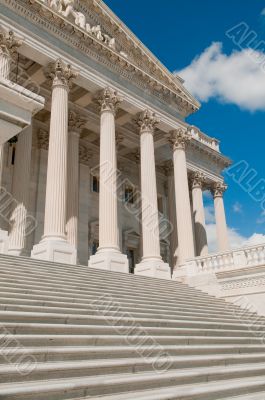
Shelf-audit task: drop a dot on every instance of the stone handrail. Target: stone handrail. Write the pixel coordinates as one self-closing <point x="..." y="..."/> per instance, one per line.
<point x="205" y="139"/>
<point x="251" y="256"/>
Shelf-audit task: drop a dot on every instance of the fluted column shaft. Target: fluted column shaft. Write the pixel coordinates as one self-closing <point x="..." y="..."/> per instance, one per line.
<point x="221" y="226"/>
<point x="75" y="126"/>
<point x="5" y="62"/>
<point x="55" y="206"/>
<point x="183" y="209"/>
<point x="108" y="207"/>
<point x="199" y="215"/>
<point x="56" y="187"/>
<point x="151" y="263"/>
<point x="150" y="223"/>
<point x="20" y="191"/>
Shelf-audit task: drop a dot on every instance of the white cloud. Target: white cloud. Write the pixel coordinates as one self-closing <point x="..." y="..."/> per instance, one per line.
<point x="236" y="78"/>
<point x="236" y="240"/>
<point x="237" y="208"/>
<point x="261" y="219"/>
<point x="263" y="11"/>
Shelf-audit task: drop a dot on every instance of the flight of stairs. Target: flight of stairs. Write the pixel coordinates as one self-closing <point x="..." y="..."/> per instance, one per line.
<point x="72" y="332"/>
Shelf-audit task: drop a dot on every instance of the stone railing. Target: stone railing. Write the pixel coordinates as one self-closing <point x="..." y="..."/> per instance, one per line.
<point x="203" y="138"/>
<point x="252" y="256"/>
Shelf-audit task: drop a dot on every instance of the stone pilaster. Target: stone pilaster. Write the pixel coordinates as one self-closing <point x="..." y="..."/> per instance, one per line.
<point x="152" y="263"/>
<point x="221" y="226"/>
<point x="75" y="127"/>
<point x="19" y="221"/>
<point x="54" y="245"/>
<point x="197" y="182"/>
<point x="179" y="140"/>
<point x="8" y="47"/>
<point x="108" y="255"/>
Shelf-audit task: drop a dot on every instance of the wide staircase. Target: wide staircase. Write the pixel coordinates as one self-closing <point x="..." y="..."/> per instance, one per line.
<point x="70" y="332"/>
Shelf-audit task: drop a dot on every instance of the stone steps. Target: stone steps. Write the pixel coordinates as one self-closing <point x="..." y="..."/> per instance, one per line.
<point x="118" y="340"/>
<point x="158" y="340"/>
<point x="63" y="369"/>
<point x="235" y="389"/>
<point x="12" y="303"/>
<point x="60" y="353"/>
<point x="125" y="304"/>
<point x="117" y="383"/>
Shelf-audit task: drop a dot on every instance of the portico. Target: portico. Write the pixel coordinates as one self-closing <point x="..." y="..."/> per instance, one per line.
<point x="93" y="121"/>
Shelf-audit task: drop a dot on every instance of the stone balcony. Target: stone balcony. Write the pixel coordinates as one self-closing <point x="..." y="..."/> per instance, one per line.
<point x="237" y="275"/>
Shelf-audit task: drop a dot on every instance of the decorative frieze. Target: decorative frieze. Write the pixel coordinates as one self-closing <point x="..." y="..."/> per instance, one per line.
<point x="155" y="81"/>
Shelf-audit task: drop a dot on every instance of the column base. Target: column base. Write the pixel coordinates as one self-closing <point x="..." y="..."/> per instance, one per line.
<point x="55" y="250"/>
<point x="110" y="260"/>
<point x="3" y="241"/>
<point x="153" y="267"/>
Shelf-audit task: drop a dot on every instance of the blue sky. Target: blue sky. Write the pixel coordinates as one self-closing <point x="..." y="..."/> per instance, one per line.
<point x="226" y="78"/>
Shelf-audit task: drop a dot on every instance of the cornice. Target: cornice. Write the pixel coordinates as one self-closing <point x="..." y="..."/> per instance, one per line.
<point x="143" y="51"/>
<point x="212" y="154"/>
<point x="41" y="14"/>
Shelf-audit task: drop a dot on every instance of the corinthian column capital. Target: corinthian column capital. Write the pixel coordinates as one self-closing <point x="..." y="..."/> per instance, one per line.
<point x="218" y="189"/>
<point x="75" y="122"/>
<point x="9" y="43"/>
<point x="179" y="138"/>
<point x="198" y="180"/>
<point x="61" y="73"/>
<point x="147" y="121"/>
<point x="109" y="100"/>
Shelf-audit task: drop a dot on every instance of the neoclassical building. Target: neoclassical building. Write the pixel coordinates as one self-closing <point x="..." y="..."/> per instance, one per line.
<point x="103" y="167"/>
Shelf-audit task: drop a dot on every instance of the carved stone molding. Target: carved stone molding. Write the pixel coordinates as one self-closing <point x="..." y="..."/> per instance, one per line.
<point x="142" y="69"/>
<point x="147" y="121"/>
<point x="179" y="139"/>
<point x="75" y="122"/>
<point x="244" y="283"/>
<point x="218" y="189"/>
<point x="60" y="73"/>
<point x="9" y="43"/>
<point x="109" y="100"/>
<point x="197" y="180"/>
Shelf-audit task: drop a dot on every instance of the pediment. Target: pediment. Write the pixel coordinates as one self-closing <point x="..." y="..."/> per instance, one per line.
<point x="98" y="27"/>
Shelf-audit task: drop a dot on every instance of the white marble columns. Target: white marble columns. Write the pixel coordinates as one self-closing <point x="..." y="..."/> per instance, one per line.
<point x="108" y="255"/>
<point x="54" y="246"/>
<point x="221" y="226"/>
<point x="197" y="182"/>
<point x="179" y="139"/>
<point x="75" y="126"/>
<point x="152" y="263"/>
<point x="19" y="224"/>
